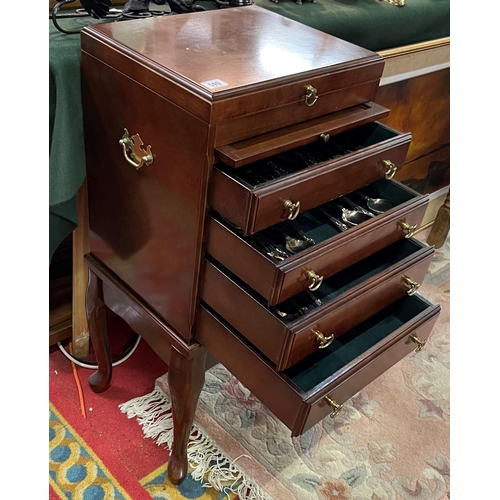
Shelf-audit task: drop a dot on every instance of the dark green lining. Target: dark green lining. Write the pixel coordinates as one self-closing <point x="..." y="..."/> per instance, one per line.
<point x="320" y="365"/>
<point x="337" y="284"/>
<point x="299" y="159"/>
<point x="316" y="227"/>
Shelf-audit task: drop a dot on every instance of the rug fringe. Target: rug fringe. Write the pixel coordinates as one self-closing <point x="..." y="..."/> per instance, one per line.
<point x="210" y="466"/>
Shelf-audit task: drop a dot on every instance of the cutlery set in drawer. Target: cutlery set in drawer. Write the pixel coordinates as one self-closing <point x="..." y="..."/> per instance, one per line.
<point x="311" y="274"/>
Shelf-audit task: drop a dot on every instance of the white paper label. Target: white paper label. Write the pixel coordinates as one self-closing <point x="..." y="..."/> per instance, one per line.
<point x="214" y="84"/>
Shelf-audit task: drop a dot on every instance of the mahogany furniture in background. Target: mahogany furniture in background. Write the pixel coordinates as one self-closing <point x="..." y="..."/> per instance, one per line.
<point x="209" y="133"/>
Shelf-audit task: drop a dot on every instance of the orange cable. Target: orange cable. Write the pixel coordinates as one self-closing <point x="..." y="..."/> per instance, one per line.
<point x="78" y="384"/>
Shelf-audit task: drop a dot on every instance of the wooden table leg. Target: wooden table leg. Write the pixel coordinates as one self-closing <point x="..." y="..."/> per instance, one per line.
<point x="96" y="310"/>
<point x="185" y="379"/>
<point x="80" y="329"/>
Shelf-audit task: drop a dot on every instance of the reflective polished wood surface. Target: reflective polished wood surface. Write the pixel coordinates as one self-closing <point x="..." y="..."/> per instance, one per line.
<point x="240" y="47"/>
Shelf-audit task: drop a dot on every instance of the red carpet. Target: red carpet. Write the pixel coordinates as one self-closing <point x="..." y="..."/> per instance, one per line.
<point x="104" y="455"/>
<point x="117" y="441"/>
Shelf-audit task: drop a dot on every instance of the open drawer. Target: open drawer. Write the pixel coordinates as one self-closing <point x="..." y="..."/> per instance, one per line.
<point x="289" y="332"/>
<point x="306" y="393"/>
<point x="277" y="188"/>
<point x="278" y="280"/>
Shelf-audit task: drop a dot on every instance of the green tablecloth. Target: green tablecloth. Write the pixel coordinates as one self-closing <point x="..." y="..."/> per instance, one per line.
<point x="66" y="146"/>
<point x="371" y="24"/>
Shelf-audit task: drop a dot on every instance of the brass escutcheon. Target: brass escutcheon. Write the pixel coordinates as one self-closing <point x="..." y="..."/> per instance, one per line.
<point x="336" y="407"/>
<point x="311" y="95"/>
<point x="408" y="229"/>
<point x="414" y="286"/>
<point x="420" y="343"/>
<point x="390" y="169"/>
<point x="293" y="208"/>
<point x="133" y="152"/>
<point x="323" y="341"/>
<point x="315" y="278"/>
<point x="325" y="137"/>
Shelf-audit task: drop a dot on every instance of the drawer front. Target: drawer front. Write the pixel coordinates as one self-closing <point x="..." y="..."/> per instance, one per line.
<point x="300" y="408"/>
<point x="273" y="116"/>
<point x="366" y="374"/>
<point x="253" y="208"/>
<point x="278" y="281"/>
<point x="348" y="302"/>
<point x="242" y="153"/>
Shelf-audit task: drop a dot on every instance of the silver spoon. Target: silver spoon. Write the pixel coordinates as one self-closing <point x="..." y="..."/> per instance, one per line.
<point x="271" y="250"/>
<point x="299" y="233"/>
<point x="338" y="224"/>
<point x="377" y="205"/>
<point x="294" y="245"/>
<point x="357" y="207"/>
<point x="352" y="217"/>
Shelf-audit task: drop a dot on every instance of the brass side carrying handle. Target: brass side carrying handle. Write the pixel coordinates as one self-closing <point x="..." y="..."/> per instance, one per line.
<point x="390" y="169"/>
<point x="336" y="407"/>
<point x="292" y="208"/>
<point x="413" y="285"/>
<point x="316" y="280"/>
<point x="420" y="343"/>
<point x="311" y="95"/>
<point x="133" y="152"/>
<point x="408" y="229"/>
<point x="323" y="341"/>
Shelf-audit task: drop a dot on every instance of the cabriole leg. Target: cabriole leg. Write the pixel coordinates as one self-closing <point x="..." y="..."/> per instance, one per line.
<point x="96" y="316"/>
<point x="185" y="379"/>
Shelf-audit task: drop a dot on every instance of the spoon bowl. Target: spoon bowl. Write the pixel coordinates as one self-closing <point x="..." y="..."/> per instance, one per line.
<point x="377" y="205"/>
<point x="352" y="217"/>
<point x="294" y="245"/>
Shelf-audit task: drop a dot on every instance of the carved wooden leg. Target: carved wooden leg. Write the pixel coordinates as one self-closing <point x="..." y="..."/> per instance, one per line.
<point x="96" y="315"/>
<point x="185" y="380"/>
<point x="80" y="327"/>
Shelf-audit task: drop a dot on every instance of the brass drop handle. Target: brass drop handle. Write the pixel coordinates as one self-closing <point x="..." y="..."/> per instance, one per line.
<point x="413" y="285"/>
<point x="336" y="407"/>
<point x="325" y="137"/>
<point x="316" y="280"/>
<point x="311" y="95"/>
<point x="408" y="229"/>
<point x="133" y="152"/>
<point x="323" y="341"/>
<point x="292" y="208"/>
<point x="420" y="343"/>
<point x="390" y="169"/>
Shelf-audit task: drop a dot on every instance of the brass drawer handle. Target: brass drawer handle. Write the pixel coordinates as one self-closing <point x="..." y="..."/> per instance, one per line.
<point x="323" y="341"/>
<point x="408" y="229"/>
<point x="293" y="208"/>
<point x="420" y="343"/>
<point x="311" y="95"/>
<point x="133" y="152"/>
<point x="325" y="137"/>
<point x="316" y="280"/>
<point x="390" y="169"/>
<point x="413" y="285"/>
<point x="336" y="407"/>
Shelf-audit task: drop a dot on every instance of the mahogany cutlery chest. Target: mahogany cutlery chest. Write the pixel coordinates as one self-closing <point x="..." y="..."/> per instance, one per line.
<point x="231" y="157"/>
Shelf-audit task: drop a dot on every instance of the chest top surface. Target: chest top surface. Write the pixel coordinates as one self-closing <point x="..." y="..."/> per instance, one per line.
<point x="229" y="50"/>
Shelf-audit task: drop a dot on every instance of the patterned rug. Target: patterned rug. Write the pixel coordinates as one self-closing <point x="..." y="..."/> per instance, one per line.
<point x="102" y="455"/>
<point x="390" y="442"/>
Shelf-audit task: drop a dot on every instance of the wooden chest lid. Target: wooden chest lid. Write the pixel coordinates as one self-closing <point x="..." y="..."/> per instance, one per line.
<point x="222" y="53"/>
